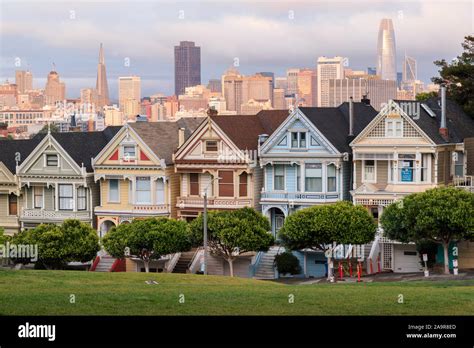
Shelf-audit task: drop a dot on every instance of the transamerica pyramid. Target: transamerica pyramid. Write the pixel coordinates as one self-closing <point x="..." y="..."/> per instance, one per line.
<point x="101" y="86"/>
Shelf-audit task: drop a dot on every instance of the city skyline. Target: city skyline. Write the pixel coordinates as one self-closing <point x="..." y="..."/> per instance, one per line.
<point x="74" y="51"/>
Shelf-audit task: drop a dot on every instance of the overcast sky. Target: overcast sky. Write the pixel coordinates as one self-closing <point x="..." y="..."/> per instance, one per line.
<point x="263" y="35"/>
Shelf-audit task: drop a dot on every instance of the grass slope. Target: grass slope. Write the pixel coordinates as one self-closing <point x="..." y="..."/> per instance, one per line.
<point x="48" y="293"/>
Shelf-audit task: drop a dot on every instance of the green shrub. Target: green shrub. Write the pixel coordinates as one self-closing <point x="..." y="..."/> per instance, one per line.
<point x="287" y="263"/>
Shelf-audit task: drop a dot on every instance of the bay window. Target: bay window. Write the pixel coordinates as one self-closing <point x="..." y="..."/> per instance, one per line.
<point x="226" y="183"/>
<point x="143" y="190"/>
<point x="81" y="198"/>
<point x="66" y="197"/>
<point x="279" y="177"/>
<point x="314" y="177"/>
<point x="160" y="191"/>
<point x="331" y="175"/>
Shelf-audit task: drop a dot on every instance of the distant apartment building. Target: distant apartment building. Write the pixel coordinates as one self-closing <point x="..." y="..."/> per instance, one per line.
<point x="89" y="96"/>
<point x="113" y="116"/>
<point x="14" y="118"/>
<point x="377" y="90"/>
<point x="328" y="68"/>
<point x="232" y="84"/>
<point x="24" y="81"/>
<point x="307" y="87"/>
<point x="215" y="85"/>
<point x="279" y="102"/>
<point x="268" y="74"/>
<point x="281" y="83"/>
<point x="253" y="107"/>
<point x="129" y="95"/>
<point x="219" y="104"/>
<point x="55" y="90"/>
<point x="292" y="81"/>
<point x="257" y="87"/>
<point x="158" y="112"/>
<point x="194" y="98"/>
<point x="8" y="95"/>
<point x="187" y="66"/>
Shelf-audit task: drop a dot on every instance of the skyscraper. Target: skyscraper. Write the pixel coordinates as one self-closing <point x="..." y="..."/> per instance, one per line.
<point x="24" y="81"/>
<point x="307" y="86"/>
<point x="187" y="66"/>
<point x="129" y="95"/>
<point x="409" y="69"/>
<point x="292" y="81"/>
<point x="328" y="68"/>
<point x="386" y="53"/>
<point x="101" y="85"/>
<point x="55" y="90"/>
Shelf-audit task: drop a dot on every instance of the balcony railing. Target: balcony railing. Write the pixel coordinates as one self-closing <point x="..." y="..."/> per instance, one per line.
<point x="300" y="196"/>
<point x="220" y="202"/>
<point x="465" y="182"/>
<point x="52" y="215"/>
<point x="150" y="209"/>
<point x="139" y="209"/>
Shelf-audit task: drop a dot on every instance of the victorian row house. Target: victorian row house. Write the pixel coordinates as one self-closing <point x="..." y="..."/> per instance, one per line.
<point x="276" y="162"/>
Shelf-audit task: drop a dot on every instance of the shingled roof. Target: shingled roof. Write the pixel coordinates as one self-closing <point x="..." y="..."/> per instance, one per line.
<point x="459" y="124"/>
<point x="162" y="137"/>
<point x="244" y="130"/>
<point x="8" y="149"/>
<point x="333" y="122"/>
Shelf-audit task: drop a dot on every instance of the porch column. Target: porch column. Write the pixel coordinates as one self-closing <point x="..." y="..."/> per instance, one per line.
<point x="74" y="197"/>
<point x="56" y="196"/>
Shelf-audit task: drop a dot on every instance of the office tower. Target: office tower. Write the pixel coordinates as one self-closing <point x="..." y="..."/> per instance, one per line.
<point x="399" y="79"/>
<point x="55" y="90"/>
<point x="257" y="87"/>
<point x="372" y="70"/>
<point x="24" y="81"/>
<point x="268" y="74"/>
<point x="129" y="95"/>
<point x="386" y="52"/>
<point x="101" y="84"/>
<point x="327" y="68"/>
<point x="409" y="69"/>
<point x="113" y="116"/>
<point x="194" y="98"/>
<point x="292" y="81"/>
<point x="279" y="102"/>
<point x="232" y="83"/>
<point x="307" y="85"/>
<point x="215" y="86"/>
<point x="281" y="83"/>
<point x="187" y="66"/>
<point x="377" y="90"/>
<point x="8" y="95"/>
<point x="89" y="96"/>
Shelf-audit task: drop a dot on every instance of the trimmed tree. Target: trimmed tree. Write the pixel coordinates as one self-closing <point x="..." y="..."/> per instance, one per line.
<point x="73" y="241"/>
<point x="319" y="226"/>
<point x="148" y="239"/>
<point x="232" y="233"/>
<point x="441" y="215"/>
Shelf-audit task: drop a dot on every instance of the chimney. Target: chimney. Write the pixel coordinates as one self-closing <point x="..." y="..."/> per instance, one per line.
<point x="365" y="100"/>
<point x="443" y="128"/>
<point x="180" y="137"/>
<point x="351" y="117"/>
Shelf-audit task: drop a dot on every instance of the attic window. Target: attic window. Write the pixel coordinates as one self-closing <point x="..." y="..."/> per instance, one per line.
<point x="211" y="146"/>
<point x="129" y="151"/>
<point x="394" y="128"/>
<point x="52" y="160"/>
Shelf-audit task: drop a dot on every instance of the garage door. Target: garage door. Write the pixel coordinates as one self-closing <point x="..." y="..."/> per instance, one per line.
<point x="406" y="259"/>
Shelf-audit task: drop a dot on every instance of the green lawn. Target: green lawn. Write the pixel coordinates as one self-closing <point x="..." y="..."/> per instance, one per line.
<point x="48" y="293"/>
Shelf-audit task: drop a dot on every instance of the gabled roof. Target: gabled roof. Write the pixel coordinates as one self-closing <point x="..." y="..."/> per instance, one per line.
<point x="81" y="146"/>
<point x="244" y="130"/>
<point x="8" y="148"/>
<point x="162" y="137"/>
<point x="333" y="122"/>
<point x="459" y="124"/>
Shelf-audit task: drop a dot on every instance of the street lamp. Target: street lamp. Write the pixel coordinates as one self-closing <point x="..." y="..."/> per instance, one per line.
<point x="205" y="222"/>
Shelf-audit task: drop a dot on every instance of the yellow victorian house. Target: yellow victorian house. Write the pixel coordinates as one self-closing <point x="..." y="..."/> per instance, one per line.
<point x="136" y="174"/>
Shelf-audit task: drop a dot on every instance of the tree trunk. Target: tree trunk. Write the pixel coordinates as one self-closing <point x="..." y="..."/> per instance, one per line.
<point x="446" y="257"/>
<point x="147" y="266"/>
<point x="231" y="266"/>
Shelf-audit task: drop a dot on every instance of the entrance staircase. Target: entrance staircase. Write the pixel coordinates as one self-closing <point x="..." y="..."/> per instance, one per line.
<point x="182" y="266"/>
<point x="265" y="268"/>
<point x="104" y="264"/>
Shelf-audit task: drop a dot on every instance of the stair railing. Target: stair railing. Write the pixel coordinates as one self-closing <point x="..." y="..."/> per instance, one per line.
<point x="196" y="258"/>
<point x="172" y="262"/>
